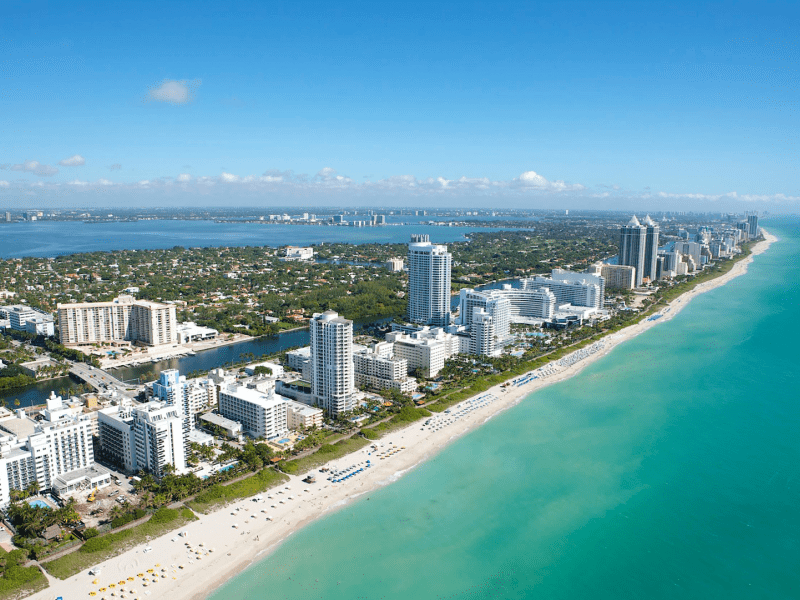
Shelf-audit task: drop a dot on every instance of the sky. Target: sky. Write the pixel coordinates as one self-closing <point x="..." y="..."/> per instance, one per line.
<point x="643" y="105"/>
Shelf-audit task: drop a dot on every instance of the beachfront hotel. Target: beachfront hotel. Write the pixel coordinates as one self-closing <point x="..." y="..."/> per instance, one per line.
<point x="55" y="453"/>
<point x="332" y="377"/>
<point x="122" y="319"/>
<point x="377" y="368"/>
<point x="143" y="437"/>
<point x="262" y="415"/>
<point x="426" y="349"/>
<point x="482" y="333"/>
<point x="428" y="282"/>
<point x="576" y="289"/>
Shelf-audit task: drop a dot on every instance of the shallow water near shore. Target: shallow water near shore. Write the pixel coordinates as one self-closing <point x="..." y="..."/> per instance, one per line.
<point x="668" y="469"/>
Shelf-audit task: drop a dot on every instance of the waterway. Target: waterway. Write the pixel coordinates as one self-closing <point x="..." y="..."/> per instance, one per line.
<point x="55" y="238"/>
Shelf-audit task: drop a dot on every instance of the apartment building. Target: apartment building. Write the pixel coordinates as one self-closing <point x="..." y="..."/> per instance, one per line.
<point x="122" y="319"/>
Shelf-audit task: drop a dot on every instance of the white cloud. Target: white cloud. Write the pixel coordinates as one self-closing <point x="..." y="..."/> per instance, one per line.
<point x="4" y="183"/>
<point x="532" y="180"/>
<point x="174" y="91"/>
<point x="32" y="166"/>
<point x="779" y="198"/>
<point x="76" y="160"/>
<point x="328" y="187"/>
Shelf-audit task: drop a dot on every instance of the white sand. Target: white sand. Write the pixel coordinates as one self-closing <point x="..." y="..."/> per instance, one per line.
<point x="236" y="548"/>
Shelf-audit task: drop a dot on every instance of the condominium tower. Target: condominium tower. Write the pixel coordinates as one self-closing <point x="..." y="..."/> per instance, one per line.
<point x="428" y="282"/>
<point x="124" y="318"/>
<point x="332" y="379"/>
<point x="632" y="245"/>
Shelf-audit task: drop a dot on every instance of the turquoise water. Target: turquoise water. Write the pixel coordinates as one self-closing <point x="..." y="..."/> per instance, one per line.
<point x="668" y="469"/>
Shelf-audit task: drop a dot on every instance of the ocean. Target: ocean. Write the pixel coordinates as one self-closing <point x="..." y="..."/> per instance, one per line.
<point x="668" y="469"/>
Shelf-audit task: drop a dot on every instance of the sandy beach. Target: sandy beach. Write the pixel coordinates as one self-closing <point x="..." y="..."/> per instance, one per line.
<point x="246" y="531"/>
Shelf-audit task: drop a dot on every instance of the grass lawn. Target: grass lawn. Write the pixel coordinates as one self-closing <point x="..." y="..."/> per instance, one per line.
<point x="406" y="415"/>
<point x="17" y="581"/>
<point x="219" y="494"/>
<point x="326" y="452"/>
<point x="103" y="547"/>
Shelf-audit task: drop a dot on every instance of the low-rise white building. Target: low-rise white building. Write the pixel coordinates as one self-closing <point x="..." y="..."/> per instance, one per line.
<point x="301" y="415"/>
<point x="299" y="253"/>
<point x="192" y="332"/>
<point x="275" y="369"/>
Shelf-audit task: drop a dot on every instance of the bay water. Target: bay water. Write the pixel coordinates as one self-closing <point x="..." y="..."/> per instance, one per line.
<point x="668" y="469"/>
<point x="55" y="238"/>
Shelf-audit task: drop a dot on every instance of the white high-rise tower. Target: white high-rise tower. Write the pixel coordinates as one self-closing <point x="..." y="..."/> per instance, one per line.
<point x="650" y="248"/>
<point x="632" y="242"/>
<point x="332" y="376"/>
<point x="428" y="282"/>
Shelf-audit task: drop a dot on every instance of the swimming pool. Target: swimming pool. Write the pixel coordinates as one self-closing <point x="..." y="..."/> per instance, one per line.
<point x="284" y="441"/>
<point x="39" y="503"/>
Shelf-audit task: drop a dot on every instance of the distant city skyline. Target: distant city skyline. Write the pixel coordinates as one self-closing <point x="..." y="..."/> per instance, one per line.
<point x="621" y="106"/>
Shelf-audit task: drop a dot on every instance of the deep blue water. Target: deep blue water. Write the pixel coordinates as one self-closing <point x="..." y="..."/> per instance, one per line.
<point x="54" y="238"/>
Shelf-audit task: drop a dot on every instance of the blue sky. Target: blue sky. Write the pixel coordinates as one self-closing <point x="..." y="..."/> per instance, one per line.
<point x="680" y="105"/>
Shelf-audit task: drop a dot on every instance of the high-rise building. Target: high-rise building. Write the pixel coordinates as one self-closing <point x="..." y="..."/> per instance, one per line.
<point x="617" y="277"/>
<point x="395" y="264"/>
<point x="144" y="437"/>
<point x="482" y="335"/>
<point x="494" y="303"/>
<point x="332" y="379"/>
<point x="377" y="368"/>
<point x="428" y="282"/>
<point x="193" y="396"/>
<point x="693" y="249"/>
<point x="426" y="349"/>
<point x="577" y="289"/>
<point x="124" y="318"/>
<point x="752" y="225"/>
<point x="262" y="415"/>
<point x="632" y="247"/>
<point x="48" y="452"/>
<point x="650" y="248"/>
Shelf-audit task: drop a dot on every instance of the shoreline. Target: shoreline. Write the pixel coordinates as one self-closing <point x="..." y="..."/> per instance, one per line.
<point x="254" y="537"/>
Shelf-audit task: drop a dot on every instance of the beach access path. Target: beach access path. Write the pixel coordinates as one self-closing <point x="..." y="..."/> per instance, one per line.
<point x="248" y="530"/>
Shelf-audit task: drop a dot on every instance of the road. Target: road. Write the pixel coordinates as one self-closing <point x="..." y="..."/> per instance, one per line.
<point x="97" y="378"/>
